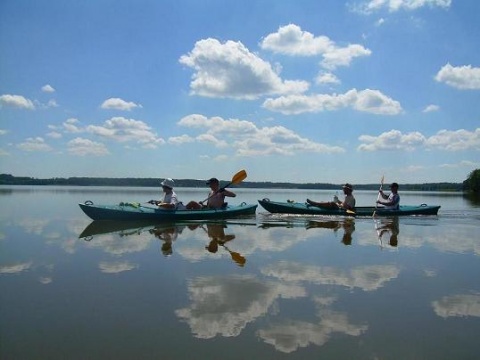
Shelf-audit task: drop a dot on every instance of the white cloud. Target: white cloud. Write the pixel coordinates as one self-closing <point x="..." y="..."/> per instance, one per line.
<point x="16" y="101"/>
<point x="371" y="6"/>
<point x="464" y="163"/>
<point x="230" y="70"/>
<point x="54" y="135"/>
<point x="180" y="140"/>
<point x="249" y="140"/>
<point x="34" y="144"/>
<point x="292" y="40"/>
<point x="431" y="108"/>
<point x="119" y="104"/>
<point x="83" y="147"/>
<point x="455" y="140"/>
<point x="444" y="140"/>
<point x="392" y="140"/>
<point x="70" y="126"/>
<point x="48" y="88"/>
<point x="127" y="130"/>
<point x="460" y="77"/>
<point x="371" y="101"/>
<point x="326" y="78"/>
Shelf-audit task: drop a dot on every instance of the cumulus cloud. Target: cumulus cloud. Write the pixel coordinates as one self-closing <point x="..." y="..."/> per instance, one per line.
<point x="230" y="70"/>
<point x="444" y="139"/>
<point x="371" y="6"/>
<point x="84" y="147"/>
<point x="392" y="140"/>
<point x="119" y="104"/>
<point x="249" y="140"/>
<point x="431" y="108"/>
<point x="48" y="88"/>
<point x="35" y="144"/>
<point x="16" y="101"/>
<point x="371" y="101"/>
<point x="127" y="130"/>
<point x="460" y="77"/>
<point x="292" y="40"/>
<point x="71" y="126"/>
<point x="326" y="78"/>
<point x="455" y="140"/>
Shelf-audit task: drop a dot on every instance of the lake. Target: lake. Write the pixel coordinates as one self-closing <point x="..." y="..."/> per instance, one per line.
<point x="262" y="287"/>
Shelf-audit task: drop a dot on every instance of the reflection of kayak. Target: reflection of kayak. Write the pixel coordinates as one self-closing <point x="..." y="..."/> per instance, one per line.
<point x="135" y="211"/>
<point x="305" y="209"/>
<point x="109" y="226"/>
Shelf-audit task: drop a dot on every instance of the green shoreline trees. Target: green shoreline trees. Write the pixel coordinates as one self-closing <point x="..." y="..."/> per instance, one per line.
<point x="7" y="179"/>
<point x="472" y="184"/>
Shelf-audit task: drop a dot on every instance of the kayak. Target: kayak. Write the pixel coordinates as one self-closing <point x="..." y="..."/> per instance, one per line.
<point x="306" y="209"/>
<point x="128" y="211"/>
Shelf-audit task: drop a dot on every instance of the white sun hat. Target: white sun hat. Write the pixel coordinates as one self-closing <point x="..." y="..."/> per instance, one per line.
<point x="168" y="183"/>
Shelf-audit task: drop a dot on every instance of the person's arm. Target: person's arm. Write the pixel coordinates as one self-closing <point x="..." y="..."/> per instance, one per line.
<point x="226" y="192"/>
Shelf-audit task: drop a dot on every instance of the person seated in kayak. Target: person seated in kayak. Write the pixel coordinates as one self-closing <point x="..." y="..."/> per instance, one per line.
<point x="393" y="199"/>
<point x="216" y="197"/>
<point x="348" y="203"/>
<point x="170" y="199"/>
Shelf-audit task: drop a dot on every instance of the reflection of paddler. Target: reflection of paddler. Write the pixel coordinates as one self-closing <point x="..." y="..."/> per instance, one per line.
<point x="216" y="233"/>
<point x="168" y="235"/>
<point x="391" y="226"/>
<point x="347" y="224"/>
<point x="349" y="228"/>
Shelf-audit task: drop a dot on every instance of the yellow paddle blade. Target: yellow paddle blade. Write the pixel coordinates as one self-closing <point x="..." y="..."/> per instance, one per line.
<point x="239" y="259"/>
<point x="239" y="177"/>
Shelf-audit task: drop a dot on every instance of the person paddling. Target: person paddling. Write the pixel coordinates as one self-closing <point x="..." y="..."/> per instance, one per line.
<point x="393" y="199"/>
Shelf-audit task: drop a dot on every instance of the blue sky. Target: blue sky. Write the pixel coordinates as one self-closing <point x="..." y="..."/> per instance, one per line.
<point x="295" y="91"/>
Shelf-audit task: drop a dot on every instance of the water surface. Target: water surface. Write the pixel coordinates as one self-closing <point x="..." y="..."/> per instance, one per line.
<point x="265" y="286"/>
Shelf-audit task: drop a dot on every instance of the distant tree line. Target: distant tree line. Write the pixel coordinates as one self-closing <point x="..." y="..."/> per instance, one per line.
<point x="471" y="184"/>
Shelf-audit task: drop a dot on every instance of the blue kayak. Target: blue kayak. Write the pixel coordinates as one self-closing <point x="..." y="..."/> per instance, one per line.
<point x="306" y="209"/>
<point x="135" y="211"/>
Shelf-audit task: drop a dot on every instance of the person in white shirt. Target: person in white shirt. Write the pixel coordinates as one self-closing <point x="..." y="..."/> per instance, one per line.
<point x="393" y="199"/>
<point x="170" y="199"/>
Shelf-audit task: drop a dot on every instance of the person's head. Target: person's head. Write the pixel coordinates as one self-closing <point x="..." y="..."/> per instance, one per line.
<point x="213" y="182"/>
<point x="347" y="188"/>
<point x="167" y="184"/>
<point x="394" y="187"/>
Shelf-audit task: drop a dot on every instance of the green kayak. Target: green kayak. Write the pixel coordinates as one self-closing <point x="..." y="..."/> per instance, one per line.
<point x="306" y="209"/>
<point x="135" y="211"/>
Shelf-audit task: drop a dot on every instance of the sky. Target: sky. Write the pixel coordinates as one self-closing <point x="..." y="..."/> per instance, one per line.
<point x="289" y="90"/>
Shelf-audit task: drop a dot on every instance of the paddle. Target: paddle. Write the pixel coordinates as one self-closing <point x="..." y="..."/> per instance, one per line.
<point x="378" y="196"/>
<point x="237" y="257"/>
<point x="236" y="179"/>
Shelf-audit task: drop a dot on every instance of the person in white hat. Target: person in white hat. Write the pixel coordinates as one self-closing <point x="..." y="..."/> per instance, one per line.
<point x="170" y="199"/>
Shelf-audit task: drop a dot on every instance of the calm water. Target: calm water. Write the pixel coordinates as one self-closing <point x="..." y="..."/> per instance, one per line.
<point x="263" y="287"/>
